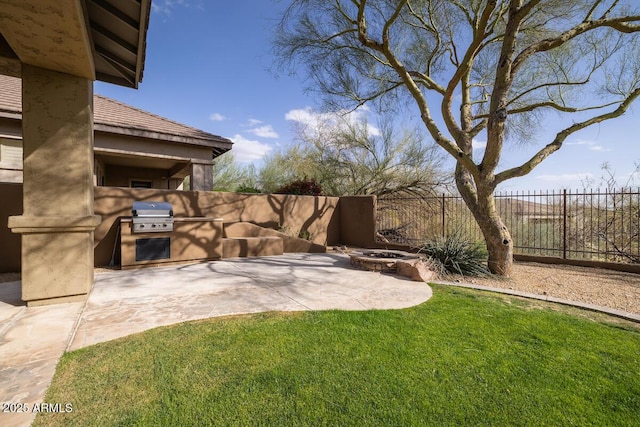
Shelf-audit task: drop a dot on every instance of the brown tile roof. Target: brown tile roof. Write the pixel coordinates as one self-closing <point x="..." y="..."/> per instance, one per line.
<point x="115" y="117"/>
<point x="11" y="96"/>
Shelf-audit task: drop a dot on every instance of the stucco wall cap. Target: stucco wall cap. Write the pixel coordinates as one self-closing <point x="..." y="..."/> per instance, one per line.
<point x="53" y="224"/>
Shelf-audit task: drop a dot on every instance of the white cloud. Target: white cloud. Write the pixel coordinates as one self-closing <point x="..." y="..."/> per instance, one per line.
<point x="580" y="142"/>
<point x="478" y="145"/>
<point x="217" y="117"/>
<point x="165" y="7"/>
<point x="265" y="131"/>
<point x="247" y="150"/>
<point x="304" y="116"/>
<point x="254" y="122"/>
<point x="598" y="148"/>
<point x="373" y="130"/>
<point x="314" y="122"/>
<point x="590" y="145"/>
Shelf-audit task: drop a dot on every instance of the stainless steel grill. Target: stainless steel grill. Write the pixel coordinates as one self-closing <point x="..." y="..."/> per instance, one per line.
<point x="152" y="217"/>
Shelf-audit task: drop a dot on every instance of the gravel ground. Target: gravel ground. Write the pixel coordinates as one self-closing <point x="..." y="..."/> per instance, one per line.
<point x="590" y="285"/>
<point x="607" y="288"/>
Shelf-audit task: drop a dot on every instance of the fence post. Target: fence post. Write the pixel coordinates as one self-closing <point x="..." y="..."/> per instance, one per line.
<point x="564" y="223"/>
<point x="443" y="218"/>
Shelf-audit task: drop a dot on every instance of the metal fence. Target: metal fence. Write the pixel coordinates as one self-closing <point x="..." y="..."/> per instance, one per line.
<point x="585" y="225"/>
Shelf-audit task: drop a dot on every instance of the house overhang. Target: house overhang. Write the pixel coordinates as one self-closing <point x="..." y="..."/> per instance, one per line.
<point x="95" y="39"/>
<point x="175" y="167"/>
<point x="218" y="145"/>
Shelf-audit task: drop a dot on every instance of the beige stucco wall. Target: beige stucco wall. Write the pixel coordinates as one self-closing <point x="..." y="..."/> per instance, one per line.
<point x="57" y="143"/>
<point x="358" y="221"/>
<point x="317" y="215"/>
<point x="348" y="220"/>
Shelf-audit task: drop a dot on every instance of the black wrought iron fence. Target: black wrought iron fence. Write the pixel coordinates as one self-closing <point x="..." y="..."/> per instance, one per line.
<point x="587" y="225"/>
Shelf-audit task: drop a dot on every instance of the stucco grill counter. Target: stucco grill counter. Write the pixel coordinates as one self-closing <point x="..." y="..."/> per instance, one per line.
<point x="152" y="235"/>
<point x="152" y="217"/>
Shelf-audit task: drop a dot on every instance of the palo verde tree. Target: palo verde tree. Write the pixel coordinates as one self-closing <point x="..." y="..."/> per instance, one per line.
<point x="487" y="70"/>
<point x="229" y="175"/>
<point x="348" y="156"/>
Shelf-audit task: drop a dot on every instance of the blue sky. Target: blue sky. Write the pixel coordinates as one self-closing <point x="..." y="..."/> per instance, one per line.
<point x="209" y="64"/>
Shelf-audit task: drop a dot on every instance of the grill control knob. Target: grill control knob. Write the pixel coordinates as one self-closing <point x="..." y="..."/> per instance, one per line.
<point x="141" y="225"/>
<point x="153" y="226"/>
<point x="164" y="225"/>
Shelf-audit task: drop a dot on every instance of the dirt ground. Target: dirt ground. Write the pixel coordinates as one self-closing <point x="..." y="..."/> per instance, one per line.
<point x="590" y="285"/>
<point x="607" y="288"/>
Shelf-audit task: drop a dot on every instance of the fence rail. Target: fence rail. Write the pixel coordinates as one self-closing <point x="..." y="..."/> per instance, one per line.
<point x="582" y="225"/>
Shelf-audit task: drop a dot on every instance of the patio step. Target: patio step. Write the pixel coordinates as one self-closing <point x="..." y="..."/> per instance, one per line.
<point x="290" y="244"/>
<point x="233" y="247"/>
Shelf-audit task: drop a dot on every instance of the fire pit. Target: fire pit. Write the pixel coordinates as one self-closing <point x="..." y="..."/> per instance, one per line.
<point x="382" y="260"/>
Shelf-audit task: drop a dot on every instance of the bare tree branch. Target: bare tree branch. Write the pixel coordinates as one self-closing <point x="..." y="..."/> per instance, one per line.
<point x="558" y="107"/>
<point x="549" y="104"/>
<point x="619" y="24"/>
<point x="561" y="137"/>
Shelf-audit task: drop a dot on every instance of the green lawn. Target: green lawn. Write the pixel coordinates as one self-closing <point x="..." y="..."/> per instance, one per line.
<point x="462" y="358"/>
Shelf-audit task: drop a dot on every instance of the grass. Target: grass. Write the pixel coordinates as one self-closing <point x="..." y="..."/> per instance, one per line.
<point x="462" y="358"/>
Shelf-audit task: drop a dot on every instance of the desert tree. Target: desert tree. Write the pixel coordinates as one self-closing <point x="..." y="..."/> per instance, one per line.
<point x="283" y="166"/>
<point x="347" y="155"/>
<point x="485" y="70"/>
<point x="229" y="174"/>
<point x="614" y="226"/>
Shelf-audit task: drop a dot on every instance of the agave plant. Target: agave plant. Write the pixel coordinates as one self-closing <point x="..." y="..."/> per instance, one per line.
<point x="457" y="255"/>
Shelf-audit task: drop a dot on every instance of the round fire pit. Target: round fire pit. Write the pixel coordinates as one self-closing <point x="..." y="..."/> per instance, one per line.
<point x="382" y="260"/>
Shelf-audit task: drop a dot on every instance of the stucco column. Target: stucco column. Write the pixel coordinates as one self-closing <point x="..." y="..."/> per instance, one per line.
<point x="57" y="223"/>
<point x="201" y="176"/>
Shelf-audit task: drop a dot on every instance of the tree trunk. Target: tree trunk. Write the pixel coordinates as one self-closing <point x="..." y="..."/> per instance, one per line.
<point x="497" y="238"/>
<point x="481" y="203"/>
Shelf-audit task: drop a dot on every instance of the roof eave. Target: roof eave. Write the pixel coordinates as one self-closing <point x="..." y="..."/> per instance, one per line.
<point x="142" y="43"/>
<point x="213" y="142"/>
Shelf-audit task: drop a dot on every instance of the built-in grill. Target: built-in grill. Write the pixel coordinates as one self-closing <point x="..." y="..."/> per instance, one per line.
<point x="152" y="217"/>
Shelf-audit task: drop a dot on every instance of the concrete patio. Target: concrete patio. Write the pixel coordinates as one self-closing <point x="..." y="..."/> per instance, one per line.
<point x="126" y="302"/>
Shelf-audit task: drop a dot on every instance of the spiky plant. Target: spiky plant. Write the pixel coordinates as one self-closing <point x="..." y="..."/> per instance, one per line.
<point x="457" y="255"/>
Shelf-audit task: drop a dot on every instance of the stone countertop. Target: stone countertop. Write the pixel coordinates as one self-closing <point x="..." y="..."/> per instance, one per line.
<point x="181" y="219"/>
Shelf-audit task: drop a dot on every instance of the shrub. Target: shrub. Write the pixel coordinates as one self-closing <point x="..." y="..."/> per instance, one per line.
<point x="301" y="187"/>
<point x="457" y="255"/>
<point x="301" y="234"/>
<point x="304" y="234"/>
<point x="247" y="189"/>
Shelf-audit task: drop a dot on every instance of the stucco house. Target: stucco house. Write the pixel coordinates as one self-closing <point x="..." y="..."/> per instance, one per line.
<point x="68" y="156"/>
<point x="132" y="148"/>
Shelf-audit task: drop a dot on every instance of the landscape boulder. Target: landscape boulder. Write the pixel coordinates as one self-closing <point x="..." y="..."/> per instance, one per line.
<point x="417" y="269"/>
